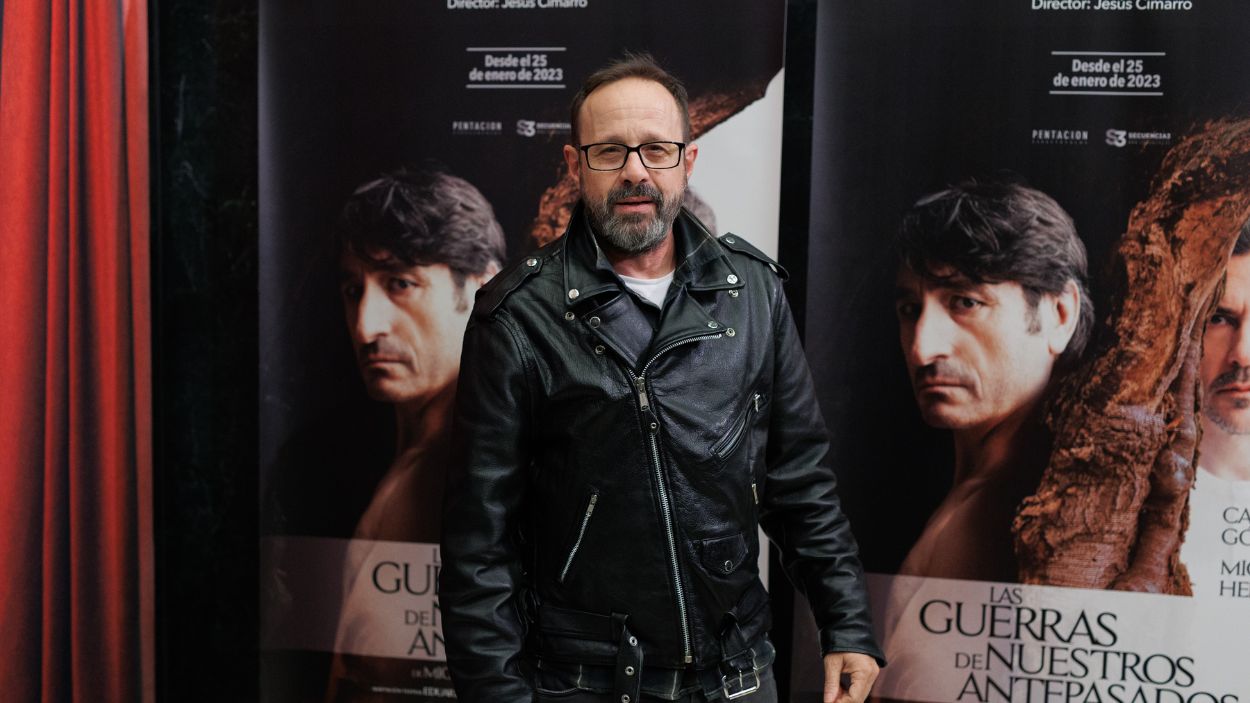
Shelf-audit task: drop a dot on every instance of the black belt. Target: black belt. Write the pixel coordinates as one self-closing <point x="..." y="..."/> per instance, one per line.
<point x="598" y="640"/>
<point x="578" y="637"/>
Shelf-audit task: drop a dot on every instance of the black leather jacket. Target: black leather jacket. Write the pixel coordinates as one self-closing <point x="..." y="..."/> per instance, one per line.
<point x="613" y="469"/>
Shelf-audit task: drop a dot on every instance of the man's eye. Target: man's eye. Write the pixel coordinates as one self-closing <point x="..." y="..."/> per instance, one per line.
<point x="1221" y="318"/>
<point x="607" y="150"/>
<point x="963" y="302"/>
<point x="350" y="292"/>
<point x="907" y="311"/>
<point x="400" y="284"/>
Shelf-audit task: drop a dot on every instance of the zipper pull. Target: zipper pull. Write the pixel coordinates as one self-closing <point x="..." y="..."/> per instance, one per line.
<point x="755" y="493"/>
<point x="640" y="384"/>
<point x="757" y="402"/>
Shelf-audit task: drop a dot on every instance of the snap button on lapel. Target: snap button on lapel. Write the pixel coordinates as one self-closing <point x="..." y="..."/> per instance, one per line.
<point x="713" y="324"/>
<point x="594" y="321"/>
<point x="573" y="293"/>
<point x="731" y="278"/>
<point x="531" y="262"/>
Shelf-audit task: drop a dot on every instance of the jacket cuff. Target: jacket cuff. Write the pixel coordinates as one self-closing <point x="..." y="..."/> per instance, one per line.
<point x="831" y="643"/>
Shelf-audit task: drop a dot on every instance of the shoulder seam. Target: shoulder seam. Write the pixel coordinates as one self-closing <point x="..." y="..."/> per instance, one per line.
<point x="736" y="243"/>
<point x="506" y="282"/>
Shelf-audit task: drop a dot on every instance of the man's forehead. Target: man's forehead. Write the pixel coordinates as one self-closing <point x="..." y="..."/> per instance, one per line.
<point x="1237" y="283"/>
<point x="376" y="259"/>
<point x="631" y="103"/>
<point x="938" y="276"/>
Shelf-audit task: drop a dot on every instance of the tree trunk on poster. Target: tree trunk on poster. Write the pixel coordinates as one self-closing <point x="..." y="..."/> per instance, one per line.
<point x="1111" y="509"/>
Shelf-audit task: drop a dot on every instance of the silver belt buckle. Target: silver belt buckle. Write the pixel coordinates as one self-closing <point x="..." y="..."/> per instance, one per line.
<point x="737" y="688"/>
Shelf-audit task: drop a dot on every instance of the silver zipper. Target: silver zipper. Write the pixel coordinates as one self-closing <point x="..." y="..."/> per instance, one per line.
<point x="644" y="404"/>
<point x="581" y="532"/>
<point x="754" y="493"/>
<point x="730" y="443"/>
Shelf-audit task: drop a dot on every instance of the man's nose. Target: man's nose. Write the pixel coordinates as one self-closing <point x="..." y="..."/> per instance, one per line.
<point x="929" y="338"/>
<point x="372" y="315"/>
<point x="1239" y="354"/>
<point x="634" y="170"/>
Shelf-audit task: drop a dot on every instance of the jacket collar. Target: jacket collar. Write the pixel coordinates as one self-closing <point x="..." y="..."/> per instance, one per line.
<point x="702" y="261"/>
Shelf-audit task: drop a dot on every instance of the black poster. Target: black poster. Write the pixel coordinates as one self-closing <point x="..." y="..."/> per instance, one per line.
<point x="1080" y="100"/>
<point x="477" y="91"/>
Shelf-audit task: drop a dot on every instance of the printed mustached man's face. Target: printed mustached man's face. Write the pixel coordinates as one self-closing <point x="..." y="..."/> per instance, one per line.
<point x="407" y="325"/>
<point x="977" y="352"/>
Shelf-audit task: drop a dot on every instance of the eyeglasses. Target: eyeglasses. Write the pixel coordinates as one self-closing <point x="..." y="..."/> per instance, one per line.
<point x="610" y="156"/>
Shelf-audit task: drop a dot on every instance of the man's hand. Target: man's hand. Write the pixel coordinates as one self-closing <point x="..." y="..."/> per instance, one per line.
<point x="858" y="670"/>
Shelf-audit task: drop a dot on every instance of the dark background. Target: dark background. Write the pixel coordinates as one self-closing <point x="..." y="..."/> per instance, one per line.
<point x="204" y="336"/>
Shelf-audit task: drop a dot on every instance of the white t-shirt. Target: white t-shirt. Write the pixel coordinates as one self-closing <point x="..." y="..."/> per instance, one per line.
<point x="1217" y="546"/>
<point x="652" y="290"/>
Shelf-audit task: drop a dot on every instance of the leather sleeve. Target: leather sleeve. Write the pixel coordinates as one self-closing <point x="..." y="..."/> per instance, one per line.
<point x="481" y="575"/>
<point x="800" y="510"/>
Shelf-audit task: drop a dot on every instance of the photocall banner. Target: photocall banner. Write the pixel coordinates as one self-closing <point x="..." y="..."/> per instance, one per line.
<point x="351" y="93"/>
<point x="1060" y="552"/>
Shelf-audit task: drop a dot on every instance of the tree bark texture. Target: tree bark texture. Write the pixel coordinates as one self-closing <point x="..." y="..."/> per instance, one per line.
<point x="1112" y="506"/>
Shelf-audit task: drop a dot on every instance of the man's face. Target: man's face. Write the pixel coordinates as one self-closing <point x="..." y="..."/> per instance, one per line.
<point x="1226" y="354"/>
<point x="406" y="324"/>
<point x="633" y="208"/>
<point x="976" y="353"/>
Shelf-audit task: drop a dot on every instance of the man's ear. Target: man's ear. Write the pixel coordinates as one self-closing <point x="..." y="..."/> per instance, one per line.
<point x="572" y="159"/>
<point x="692" y="153"/>
<point x="1060" y="314"/>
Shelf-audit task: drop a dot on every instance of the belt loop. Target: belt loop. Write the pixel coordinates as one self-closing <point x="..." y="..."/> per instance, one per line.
<point x="735" y="651"/>
<point x="628" y="662"/>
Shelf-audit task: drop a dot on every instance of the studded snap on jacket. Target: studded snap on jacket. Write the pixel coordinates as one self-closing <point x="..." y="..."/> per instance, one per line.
<point x="615" y="463"/>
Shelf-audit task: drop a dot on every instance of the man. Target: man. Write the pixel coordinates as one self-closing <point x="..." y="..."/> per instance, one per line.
<point x="1219" y="530"/>
<point x="414" y="247"/>
<point x="991" y="299"/>
<point x="633" y="403"/>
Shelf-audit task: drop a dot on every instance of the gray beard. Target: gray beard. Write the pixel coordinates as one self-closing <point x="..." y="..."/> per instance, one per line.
<point x="1212" y="413"/>
<point x="632" y="234"/>
<point x="1225" y="423"/>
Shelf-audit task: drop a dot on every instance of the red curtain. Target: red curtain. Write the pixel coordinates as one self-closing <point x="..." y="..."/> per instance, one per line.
<point x="76" y="553"/>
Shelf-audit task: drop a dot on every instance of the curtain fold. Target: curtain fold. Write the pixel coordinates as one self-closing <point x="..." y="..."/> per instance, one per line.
<point x="76" y="552"/>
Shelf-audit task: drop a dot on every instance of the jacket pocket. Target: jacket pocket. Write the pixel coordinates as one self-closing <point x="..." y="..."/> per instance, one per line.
<point x="728" y="444"/>
<point x="581" y="533"/>
<point x="721" y="555"/>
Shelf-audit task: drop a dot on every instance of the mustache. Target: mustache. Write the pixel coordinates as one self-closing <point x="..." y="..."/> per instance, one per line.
<point x="943" y="369"/>
<point x="638" y="190"/>
<point x="1231" y="377"/>
<point x="381" y="347"/>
